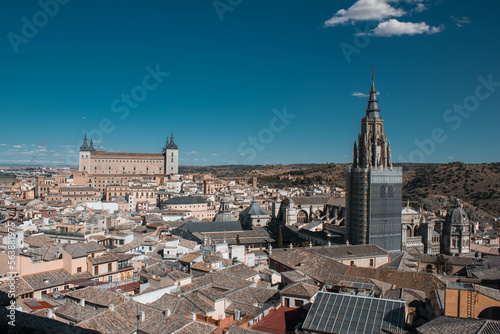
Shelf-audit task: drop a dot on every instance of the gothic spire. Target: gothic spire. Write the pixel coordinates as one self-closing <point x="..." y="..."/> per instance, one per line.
<point x="372" y="109"/>
<point x="92" y="149"/>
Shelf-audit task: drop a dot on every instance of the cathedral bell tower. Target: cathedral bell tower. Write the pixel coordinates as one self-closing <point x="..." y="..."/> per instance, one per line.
<point x="373" y="202"/>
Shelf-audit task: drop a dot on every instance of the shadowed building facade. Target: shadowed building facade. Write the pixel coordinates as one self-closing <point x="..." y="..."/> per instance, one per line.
<point x="116" y="163"/>
<point x="373" y="202"/>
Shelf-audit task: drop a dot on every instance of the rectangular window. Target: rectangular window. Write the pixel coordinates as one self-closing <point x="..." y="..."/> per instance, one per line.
<point x="79" y="269"/>
<point x="96" y="270"/>
<point x="371" y="262"/>
<point x="110" y="267"/>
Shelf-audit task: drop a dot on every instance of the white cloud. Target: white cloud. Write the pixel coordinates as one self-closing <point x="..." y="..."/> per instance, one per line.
<point x="394" y="27"/>
<point x="3" y="144"/>
<point x="67" y="146"/>
<point x="19" y="146"/>
<point x="215" y="154"/>
<point x="359" y="94"/>
<point x="83" y="117"/>
<point x="460" y="21"/>
<point x="365" y="10"/>
<point x="420" y="8"/>
<point x="192" y="152"/>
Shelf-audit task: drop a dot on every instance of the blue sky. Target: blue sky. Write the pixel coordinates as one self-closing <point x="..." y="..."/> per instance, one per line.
<point x="248" y="82"/>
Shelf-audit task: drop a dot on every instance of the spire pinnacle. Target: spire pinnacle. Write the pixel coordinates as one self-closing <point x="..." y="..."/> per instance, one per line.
<point x="372" y="110"/>
<point x="85" y="146"/>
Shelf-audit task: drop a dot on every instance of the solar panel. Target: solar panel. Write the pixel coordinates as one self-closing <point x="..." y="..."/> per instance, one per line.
<point x="341" y="313"/>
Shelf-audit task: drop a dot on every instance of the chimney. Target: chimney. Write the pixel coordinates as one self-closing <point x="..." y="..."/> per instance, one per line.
<point x="82" y="302"/>
<point x="111" y="307"/>
<point x="142" y="316"/>
<point x="193" y="316"/>
<point x="50" y="313"/>
<point x="237" y="315"/>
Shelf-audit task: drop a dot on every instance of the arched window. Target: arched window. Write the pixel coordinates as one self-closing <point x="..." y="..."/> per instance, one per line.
<point x="383" y="192"/>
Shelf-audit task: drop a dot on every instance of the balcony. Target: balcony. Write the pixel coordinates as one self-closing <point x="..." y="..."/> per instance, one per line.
<point x="125" y="266"/>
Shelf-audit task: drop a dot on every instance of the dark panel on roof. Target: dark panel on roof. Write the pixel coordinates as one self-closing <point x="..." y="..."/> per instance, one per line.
<point x="340" y="313"/>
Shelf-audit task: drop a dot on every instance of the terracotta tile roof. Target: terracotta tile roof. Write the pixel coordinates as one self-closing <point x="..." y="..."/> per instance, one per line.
<point x="97" y="296"/>
<point x="239" y="270"/>
<point x="76" y="313"/>
<point x="165" y="302"/>
<point x="81" y="249"/>
<point x="178" y="275"/>
<point x="21" y="286"/>
<point x="251" y="295"/>
<point x="313" y="265"/>
<point x="239" y="330"/>
<point x="444" y="324"/>
<point x="48" y="279"/>
<point x="39" y="240"/>
<point x="201" y="267"/>
<point x="300" y="289"/>
<point x="225" y="282"/>
<point x="400" y="279"/>
<point x="349" y="251"/>
<point x="189" y="257"/>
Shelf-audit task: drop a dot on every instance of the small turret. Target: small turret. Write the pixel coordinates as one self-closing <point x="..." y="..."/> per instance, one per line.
<point x="85" y="146"/>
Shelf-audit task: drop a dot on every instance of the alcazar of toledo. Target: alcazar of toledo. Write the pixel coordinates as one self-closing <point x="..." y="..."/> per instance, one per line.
<point x="99" y="168"/>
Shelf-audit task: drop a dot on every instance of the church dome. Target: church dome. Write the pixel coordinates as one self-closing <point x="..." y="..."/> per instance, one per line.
<point x="457" y="216"/>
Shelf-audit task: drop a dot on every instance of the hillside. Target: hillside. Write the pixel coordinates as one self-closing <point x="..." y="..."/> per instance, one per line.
<point x="433" y="185"/>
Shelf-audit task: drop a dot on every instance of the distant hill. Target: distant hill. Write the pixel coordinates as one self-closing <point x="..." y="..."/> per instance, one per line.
<point x="475" y="184"/>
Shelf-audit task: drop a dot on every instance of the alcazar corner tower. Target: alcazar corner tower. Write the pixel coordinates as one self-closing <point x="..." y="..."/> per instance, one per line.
<point x="114" y="163"/>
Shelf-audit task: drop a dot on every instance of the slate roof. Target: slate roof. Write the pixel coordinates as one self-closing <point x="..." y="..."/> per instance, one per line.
<point x="349" y="251"/>
<point x="220" y="226"/>
<point x="185" y="200"/>
<point x="445" y="324"/>
<point x="81" y="249"/>
<point x="254" y="210"/>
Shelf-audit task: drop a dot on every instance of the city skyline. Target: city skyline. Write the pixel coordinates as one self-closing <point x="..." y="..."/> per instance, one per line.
<point x="293" y="76"/>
